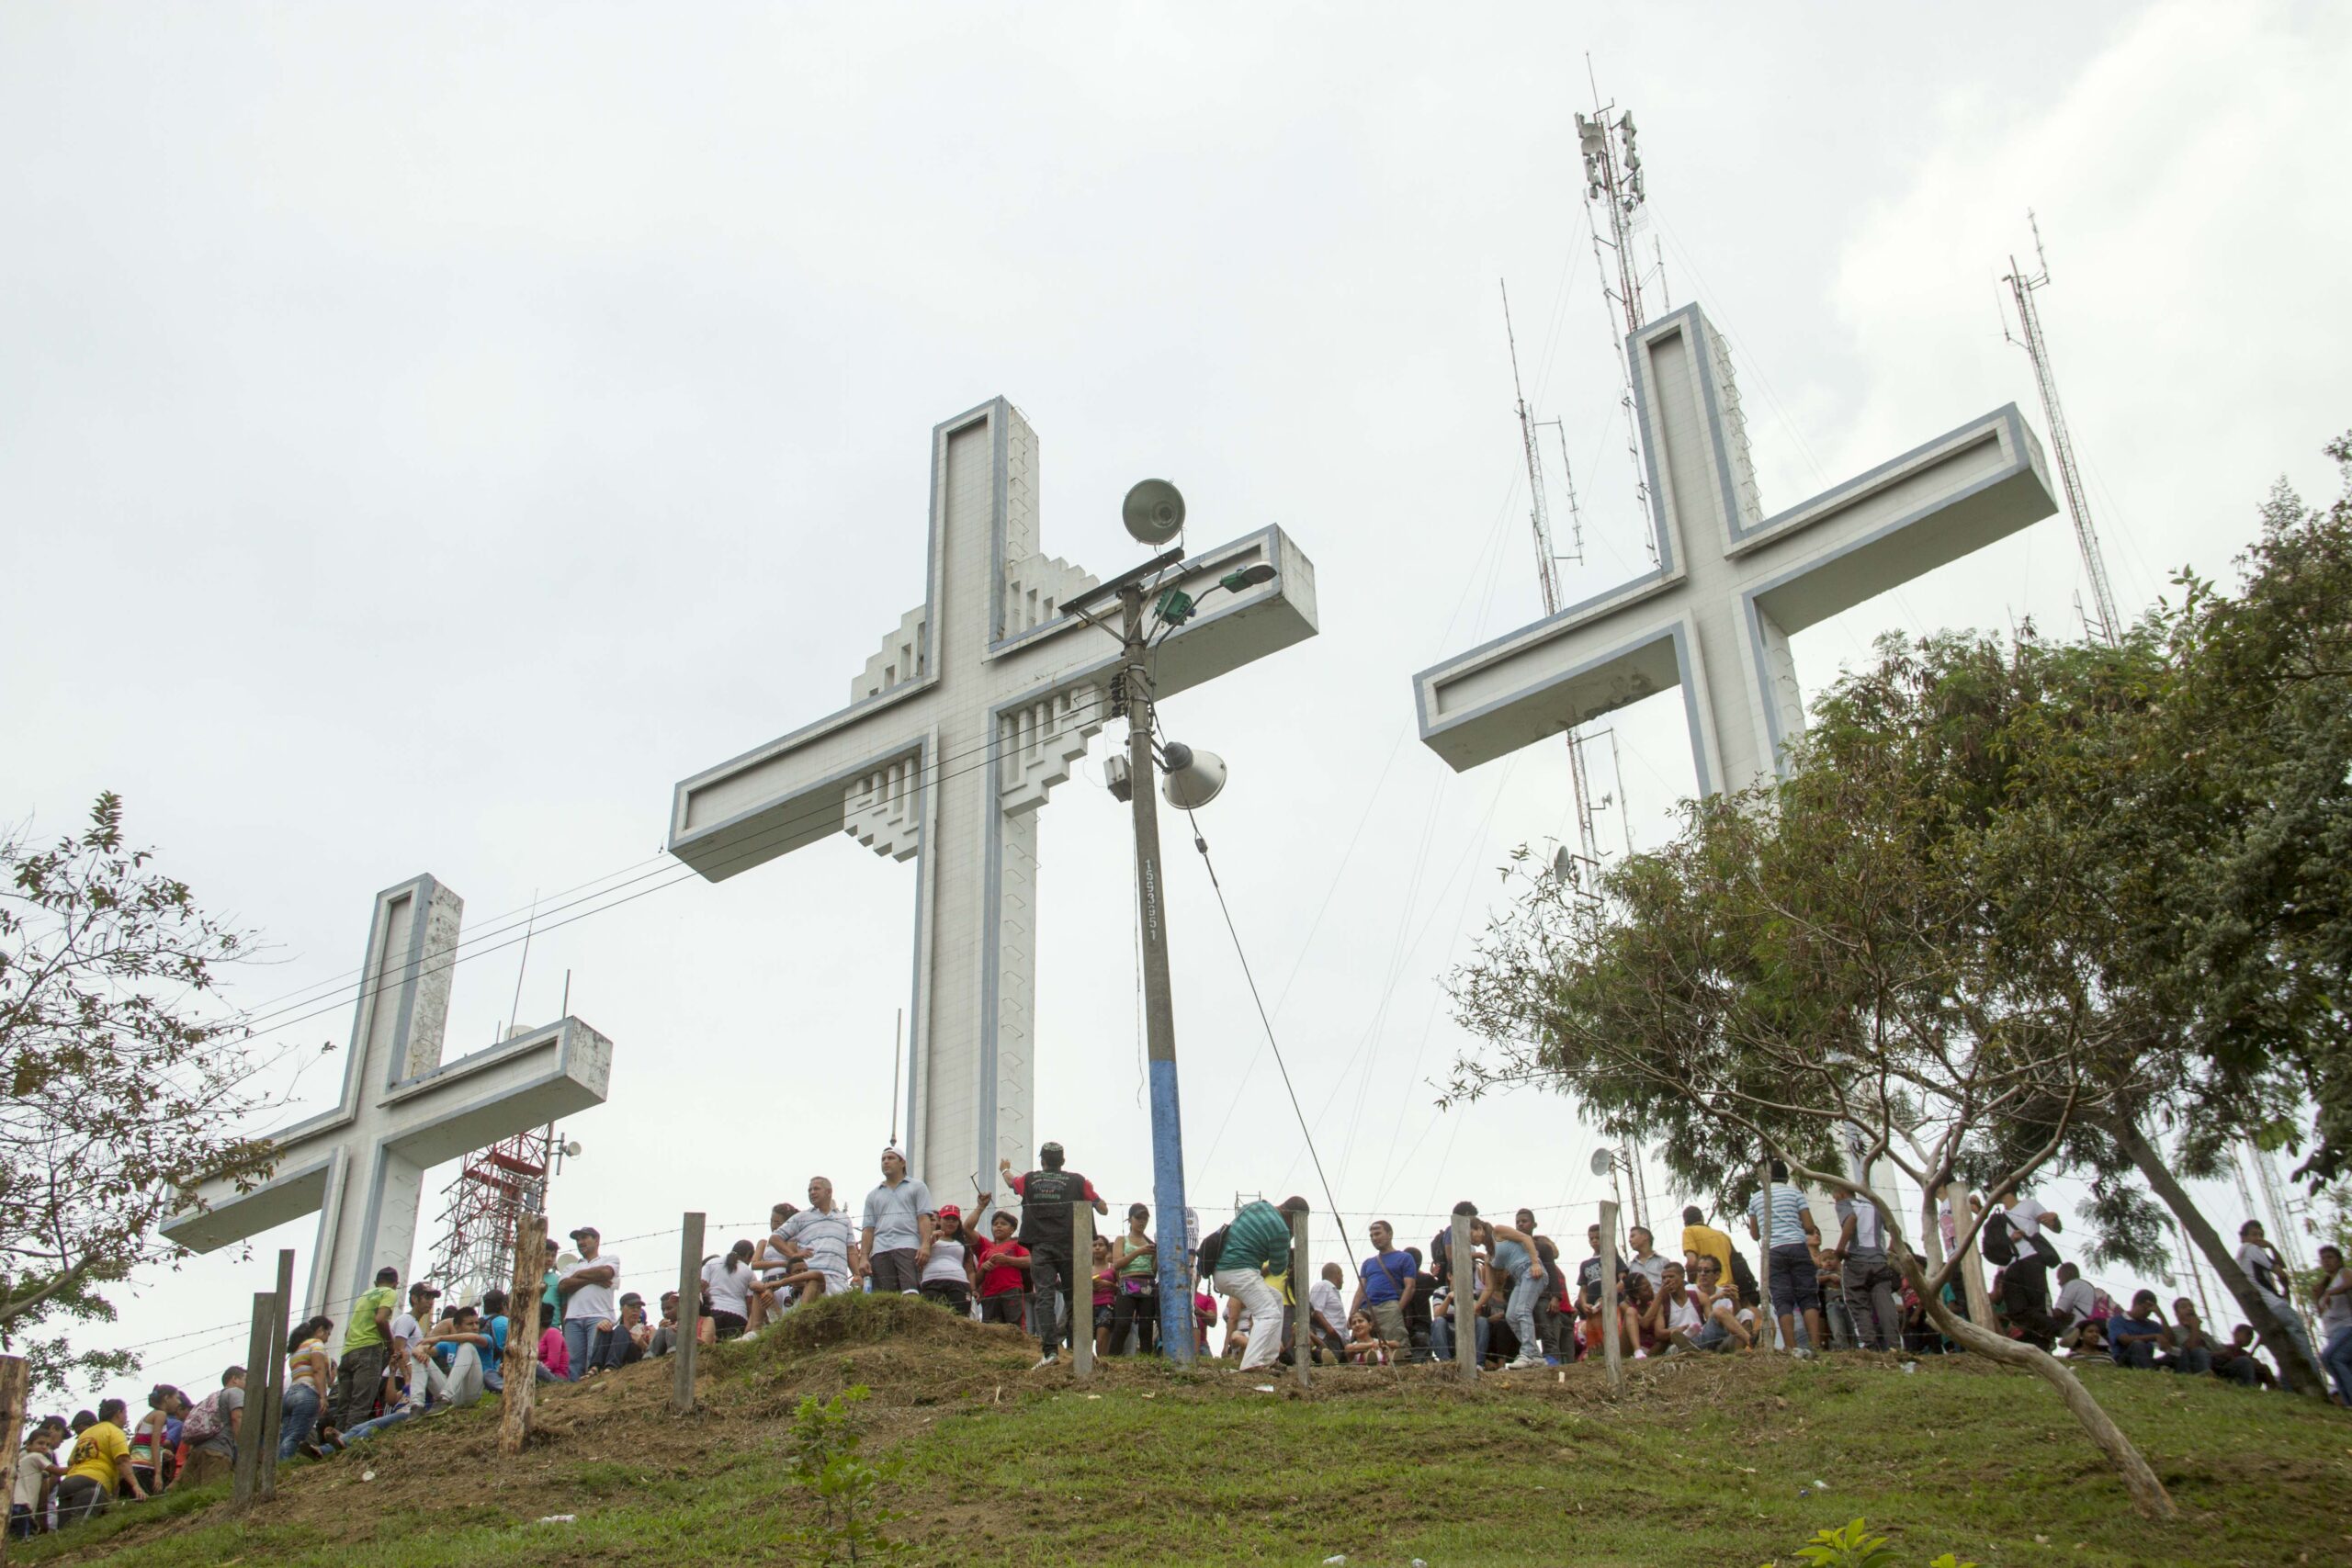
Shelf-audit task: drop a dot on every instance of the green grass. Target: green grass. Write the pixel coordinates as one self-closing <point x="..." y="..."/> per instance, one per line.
<point x="1709" y="1462"/>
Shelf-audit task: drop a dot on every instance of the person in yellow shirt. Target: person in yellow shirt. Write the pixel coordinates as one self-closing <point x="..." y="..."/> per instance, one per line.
<point x="1701" y="1239"/>
<point x="101" y="1463"/>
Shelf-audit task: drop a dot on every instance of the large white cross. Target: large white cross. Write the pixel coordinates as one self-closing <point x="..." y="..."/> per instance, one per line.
<point x="978" y="703"/>
<point x="1732" y="584"/>
<point x="359" y="1166"/>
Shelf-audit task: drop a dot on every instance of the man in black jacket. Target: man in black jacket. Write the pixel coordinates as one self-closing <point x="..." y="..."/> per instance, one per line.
<point x="1045" y="1196"/>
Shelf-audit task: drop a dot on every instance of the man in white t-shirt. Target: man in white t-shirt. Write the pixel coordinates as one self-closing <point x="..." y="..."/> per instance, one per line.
<point x="1328" y="1328"/>
<point x="2076" y="1300"/>
<point x="590" y="1290"/>
<point x="405" y="1332"/>
<point x="1674" y="1314"/>
<point x="2267" y="1271"/>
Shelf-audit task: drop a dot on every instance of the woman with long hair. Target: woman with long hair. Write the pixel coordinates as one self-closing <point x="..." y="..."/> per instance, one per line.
<point x="1136" y="1306"/>
<point x="310" y="1370"/>
<point x="950" y="1275"/>
<point x="1106" y="1290"/>
<point x="156" y="1434"/>
<point x="726" y="1284"/>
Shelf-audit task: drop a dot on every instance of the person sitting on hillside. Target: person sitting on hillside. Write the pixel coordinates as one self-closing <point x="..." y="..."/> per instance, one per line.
<point x="1364" y="1346"/>
<point x="453" y="1360"/>
<point x="34" y="1481"/>
<point x="2236" y="1361"/>
<point x="819" y="1245"/>
<point x="2192" y="1352"/>
<point x="101" y="1466"/>
<point x="1673" y="1314"/>
<point x="554" y="1359"/>
<point x="1324" y="1315"/>
<point x="666" y="1332"/>
<point x="2076" y="1305"/>
<point x="771" y="1266"/>
<point x="1479" y="1278"/>
<point x="211" y="1431"/>
<point x="729" y="1281"/>
<point x="2135" y="1339"/>
<point x="1726" y="1323"/>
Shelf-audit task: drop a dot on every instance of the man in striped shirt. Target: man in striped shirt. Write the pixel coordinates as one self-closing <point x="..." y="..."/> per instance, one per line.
<point x="820" y="1242"/>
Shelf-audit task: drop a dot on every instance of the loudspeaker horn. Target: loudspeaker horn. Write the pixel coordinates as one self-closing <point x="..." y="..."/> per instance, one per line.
<point x="1194" y="777"/>
<point x="1153" y="512"/>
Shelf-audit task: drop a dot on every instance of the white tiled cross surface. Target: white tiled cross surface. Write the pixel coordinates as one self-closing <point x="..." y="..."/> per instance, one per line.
<point x="980" y="702"/>
<point x="1715" y="618"/>
<point x="359" y="1166"/>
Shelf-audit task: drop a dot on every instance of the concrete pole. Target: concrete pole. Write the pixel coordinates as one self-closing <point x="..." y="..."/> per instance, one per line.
<point x="273" y="1393"/>
<point x="1612" y="1352"/>
<point x="1159" y="998"/>
<point x="1081" y="1290"/>
<point x="248" y="1424"/>
<point x="1464" y="1270"/>
<point x="682" y="1386"/>
<point x="523" y="1334"/>
<point x="15" y="1399"/>
<point x="1302" y="1317"/>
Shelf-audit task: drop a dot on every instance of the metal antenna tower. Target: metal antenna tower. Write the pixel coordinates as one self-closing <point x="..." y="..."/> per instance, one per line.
<point x="1547" y="570"/>
<point x="483" y="1206"/>
<point x="2022" y="288"/>
<point x="1613" y="182"/>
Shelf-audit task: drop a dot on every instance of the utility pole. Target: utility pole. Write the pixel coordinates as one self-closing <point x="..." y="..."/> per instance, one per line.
<point x="2062" y="444"/>
<point x="1158" y="997"/>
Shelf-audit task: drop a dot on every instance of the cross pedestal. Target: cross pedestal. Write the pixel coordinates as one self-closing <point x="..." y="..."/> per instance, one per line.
<point x="359" y="1166"/>
<point x="980" y="702"/>
<point x="1732" y="584"/>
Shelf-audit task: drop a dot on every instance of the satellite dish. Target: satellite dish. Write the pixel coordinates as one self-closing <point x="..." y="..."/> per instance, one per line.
<point x="1153" y="512"/>
<point x="1193" y="777"/>
<point x="1601" y="1162"/>
<point x="1563" y="867"/>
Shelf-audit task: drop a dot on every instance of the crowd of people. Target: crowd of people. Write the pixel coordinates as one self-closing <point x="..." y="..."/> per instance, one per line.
<point x="402" y="1356"/>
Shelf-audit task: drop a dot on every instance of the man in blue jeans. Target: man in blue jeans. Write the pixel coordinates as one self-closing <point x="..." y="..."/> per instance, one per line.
<point x="589" y="1311"/>
<point x="1789" y="1253"/>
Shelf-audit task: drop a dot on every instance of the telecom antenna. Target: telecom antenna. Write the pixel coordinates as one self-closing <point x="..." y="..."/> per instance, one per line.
<point x="2062" y="444"/>
<point x="1613" y="184"/>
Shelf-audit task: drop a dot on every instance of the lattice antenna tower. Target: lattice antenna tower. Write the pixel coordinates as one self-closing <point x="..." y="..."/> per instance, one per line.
<point x="1616" y="199"/>
<point x="2029" y="336"/>
<point x="482" y="1210"/>
<point x="1547" y="577"/>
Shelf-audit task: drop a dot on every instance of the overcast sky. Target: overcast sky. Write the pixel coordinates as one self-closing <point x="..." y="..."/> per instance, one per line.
<point x="427" y="433"/>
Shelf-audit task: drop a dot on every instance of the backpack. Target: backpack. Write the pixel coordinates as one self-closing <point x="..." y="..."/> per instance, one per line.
<point x="1212" y="1247"/>
<point x="1999" y="1241"/>
<point x="203" y="1422"/>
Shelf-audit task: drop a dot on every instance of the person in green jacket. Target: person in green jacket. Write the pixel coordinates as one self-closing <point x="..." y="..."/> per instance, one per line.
<point x="1258" y="1238"/>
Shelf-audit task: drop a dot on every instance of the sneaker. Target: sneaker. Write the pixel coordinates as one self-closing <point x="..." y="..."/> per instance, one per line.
<point x="1523" y="1364"/>
<point x="1043" y="1362"/>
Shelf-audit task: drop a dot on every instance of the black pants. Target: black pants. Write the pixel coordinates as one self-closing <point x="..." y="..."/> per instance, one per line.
<point x="358" y="1382"/>
<point x="953" y="1294"/>
<point x="1140" y="1312"/>
<point x="2025" y="1297"/>
<point x="1004" y="1307"/>
<point x="1049" y="1277"/>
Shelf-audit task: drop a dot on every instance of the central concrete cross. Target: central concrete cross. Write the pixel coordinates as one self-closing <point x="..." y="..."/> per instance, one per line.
<point x="1731" y="583"/>
<point x="978" y="703"/>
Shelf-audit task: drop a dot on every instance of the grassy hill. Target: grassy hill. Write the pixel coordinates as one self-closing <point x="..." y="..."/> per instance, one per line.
<point x="1703" y="1461"/>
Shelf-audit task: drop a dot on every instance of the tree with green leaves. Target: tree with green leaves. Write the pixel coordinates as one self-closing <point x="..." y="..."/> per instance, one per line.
<point x="123" y="1088"/>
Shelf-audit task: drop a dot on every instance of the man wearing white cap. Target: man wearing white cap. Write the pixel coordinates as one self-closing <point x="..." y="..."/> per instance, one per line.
<point x="899" y="1216"/>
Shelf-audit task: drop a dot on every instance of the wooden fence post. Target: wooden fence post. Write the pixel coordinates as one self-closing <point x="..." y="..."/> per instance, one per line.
<point x="1768" y="1324"/>
<point x="523" y="1333"/>
<point x="1302" y="1314"/>
<point x="682" y="1388"/>
<point x="1462" y="1269"/>
<point x="1612" y="1352"/>
<point x="15" y="1402"/>
<point x="273" y="1390"/>
<point x="1081" y="1290"/>
<point x="240" y="1490"/>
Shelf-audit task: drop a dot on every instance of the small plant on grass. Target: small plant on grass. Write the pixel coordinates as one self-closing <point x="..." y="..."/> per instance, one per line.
<point x="1855" y="1547"/>
<point x="845" y="1525"/>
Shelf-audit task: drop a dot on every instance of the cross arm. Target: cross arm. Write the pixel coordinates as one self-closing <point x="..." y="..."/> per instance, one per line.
<point x="464" y="1105"/>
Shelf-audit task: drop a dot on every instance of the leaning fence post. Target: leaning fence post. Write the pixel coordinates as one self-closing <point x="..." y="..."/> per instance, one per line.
<point x="240" y="1490"/>
<point x="273" y="1388"/>
<point x="1302" y="1315"/>
<point x="1462" y="1269"/>
<point x="15" y="1401"/>
<point x="682" y="1387"/>
<point x="1612" y="1349"/>
<point x="523" y="1333"/>
<point x="1081" y="1290"/>
<point x="1767" y="1325"/>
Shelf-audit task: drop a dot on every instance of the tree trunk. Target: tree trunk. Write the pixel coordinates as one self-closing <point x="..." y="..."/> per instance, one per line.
<point x="2148" y="1493"/>
<point x="2284" y="1347"/>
